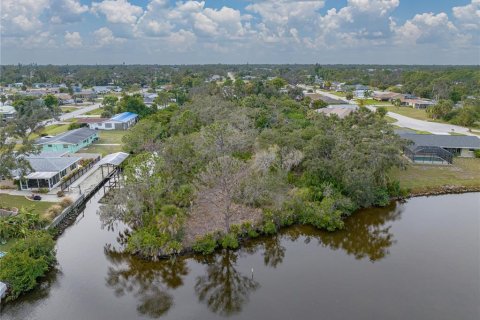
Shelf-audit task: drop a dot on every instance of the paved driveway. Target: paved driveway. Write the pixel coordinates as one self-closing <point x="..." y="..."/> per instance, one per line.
<point x="421" y="125"/>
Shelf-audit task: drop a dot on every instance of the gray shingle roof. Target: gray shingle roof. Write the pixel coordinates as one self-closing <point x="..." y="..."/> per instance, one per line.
<point x="443" y="141"/>
<point x="69" y="137"/>
<point x="51" y="164"/>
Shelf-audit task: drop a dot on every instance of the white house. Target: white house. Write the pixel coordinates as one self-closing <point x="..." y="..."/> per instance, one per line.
<point x="7" y="113"/>
<point x="121" y="121"/>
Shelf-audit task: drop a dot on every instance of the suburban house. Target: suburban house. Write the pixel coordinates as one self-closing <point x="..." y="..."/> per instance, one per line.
<point x="47" y="172"/>
<point x="121" y="121"/>
<point x="106" y="89"/>
<point x="386" y="95"/>
<point x="416" y="103"/>
<point x="439" y="149"/>
<point x="70" y="141"/>
<point x="340" y="110"/>
<point x="7" y="113"/>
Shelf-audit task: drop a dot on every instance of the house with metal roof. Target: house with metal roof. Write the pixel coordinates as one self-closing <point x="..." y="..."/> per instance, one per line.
<point x="121" y="121"/>
<point x="70" y="141"/>
<point x="7" y="113"/>
<point x="431" y="148"/>
<point x="47" y="172"/>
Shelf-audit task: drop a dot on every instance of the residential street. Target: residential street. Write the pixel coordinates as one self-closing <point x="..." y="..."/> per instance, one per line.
<point x="421" y="125"/>
<point x="71" y="115"/>
<point x="411" y="123"/>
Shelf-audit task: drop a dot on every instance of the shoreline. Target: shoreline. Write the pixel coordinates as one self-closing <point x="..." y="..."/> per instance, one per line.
<point x="444" y="190"/>
<point x="438" y="191"/>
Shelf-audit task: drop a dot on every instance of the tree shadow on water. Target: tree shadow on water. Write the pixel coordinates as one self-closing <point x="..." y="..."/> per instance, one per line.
<point x="223" y="288"/>
<point x="147" y="281"/>
<point x="367" y="233"/>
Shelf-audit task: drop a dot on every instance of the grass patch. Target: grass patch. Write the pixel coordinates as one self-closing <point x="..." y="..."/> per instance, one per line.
<point x="111" y="136"/>
<point x="51" y="130"/>
<point x="103" y="150"/>
<point x="419" y="114"/>
<point x="6" y="246"/>
<point x="420" y="178"/>
<point x="339" y="94"/>
<point x="95" y="112"/>
<point x="456" y="134"/>
<point x="390" y="119"/>
<point x="68" y="109"/>
<point x="39" y="207"/>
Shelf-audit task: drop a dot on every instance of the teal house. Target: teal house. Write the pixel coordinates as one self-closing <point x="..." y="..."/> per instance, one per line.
<point x="70" y="141"/>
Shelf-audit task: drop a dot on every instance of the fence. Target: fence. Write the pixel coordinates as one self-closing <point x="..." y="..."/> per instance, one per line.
<point x="65" y="184"/>
<point x="66" y="212"/>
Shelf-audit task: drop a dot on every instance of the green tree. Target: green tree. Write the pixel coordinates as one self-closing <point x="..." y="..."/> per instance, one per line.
<point x="51" y="102"/>
<point x="349" y="95"/>
<point x="134" y="103"/>
<point x="440" y="109"/>
<point x="109" y="103"/>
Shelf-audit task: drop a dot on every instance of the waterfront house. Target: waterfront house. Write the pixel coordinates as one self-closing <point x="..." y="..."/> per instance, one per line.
<point x="121" y="121"/>
<point x="7" y="113"/>
<point x="70" y="141"/>
<point x="439" y="149"/>
<point x="47" y="172"/>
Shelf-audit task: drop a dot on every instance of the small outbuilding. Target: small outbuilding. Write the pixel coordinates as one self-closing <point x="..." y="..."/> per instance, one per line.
<point x="121" y="121"/>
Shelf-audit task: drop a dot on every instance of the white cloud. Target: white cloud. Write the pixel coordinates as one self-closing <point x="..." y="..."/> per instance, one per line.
<point x="73" y="39"/>
<point x="63" y="11"/>
<point x="427" y="28"/>
<point x="381" y="7"/>
<point x="468" y="16"/>
<point x="105" y="37"/>
<point x="118" y="11"/>
<point x="18" y="16"/>
<point x="181" y="40"/>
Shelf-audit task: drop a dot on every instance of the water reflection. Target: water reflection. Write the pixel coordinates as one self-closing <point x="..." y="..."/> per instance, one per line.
<point x="223" y="288"/>
<point x="148" y="281"/>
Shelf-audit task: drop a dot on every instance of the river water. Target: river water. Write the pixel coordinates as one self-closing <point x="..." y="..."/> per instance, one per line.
<point x="413" y="260"/>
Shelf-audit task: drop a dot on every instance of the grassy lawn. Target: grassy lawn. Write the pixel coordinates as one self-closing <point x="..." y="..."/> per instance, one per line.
<point x="6" y="246"/>
<point x="103" y="150"/>
<point x="419" y="178"/>
<point x="9" y="201"/>
<point x="410" y="112"/>
<point x="68" y="109"/>
<point x="111" y="136"/>
<point x="95" y="112"/>
<point x="51" y="130"/>
<point x="390" y="119"/>
<point x="339" y="94"/>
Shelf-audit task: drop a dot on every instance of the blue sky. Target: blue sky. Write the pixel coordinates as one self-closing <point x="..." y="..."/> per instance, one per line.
<point x="240" y="31"/>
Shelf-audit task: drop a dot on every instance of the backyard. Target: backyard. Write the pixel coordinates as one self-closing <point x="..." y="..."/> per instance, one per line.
<point x="419" y="178"/>
<point x="9" y="201"/>
<point x="95" y="112"/>
<point x="110" y="141"/>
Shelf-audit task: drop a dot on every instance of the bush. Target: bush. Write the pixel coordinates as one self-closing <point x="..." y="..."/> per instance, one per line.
<point x="42" y="190"/>
<point x="269" y="227"/>
<point x="66" y="202"/>
<point x="28" y="260"/>
<point x="54" y="211"/>
<point x="205" y="245"/>
<point x="60" y="194"/>
<point x="229" y="241"/>
<point x="75" y="125"/>
<point x="477" y="153"/>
